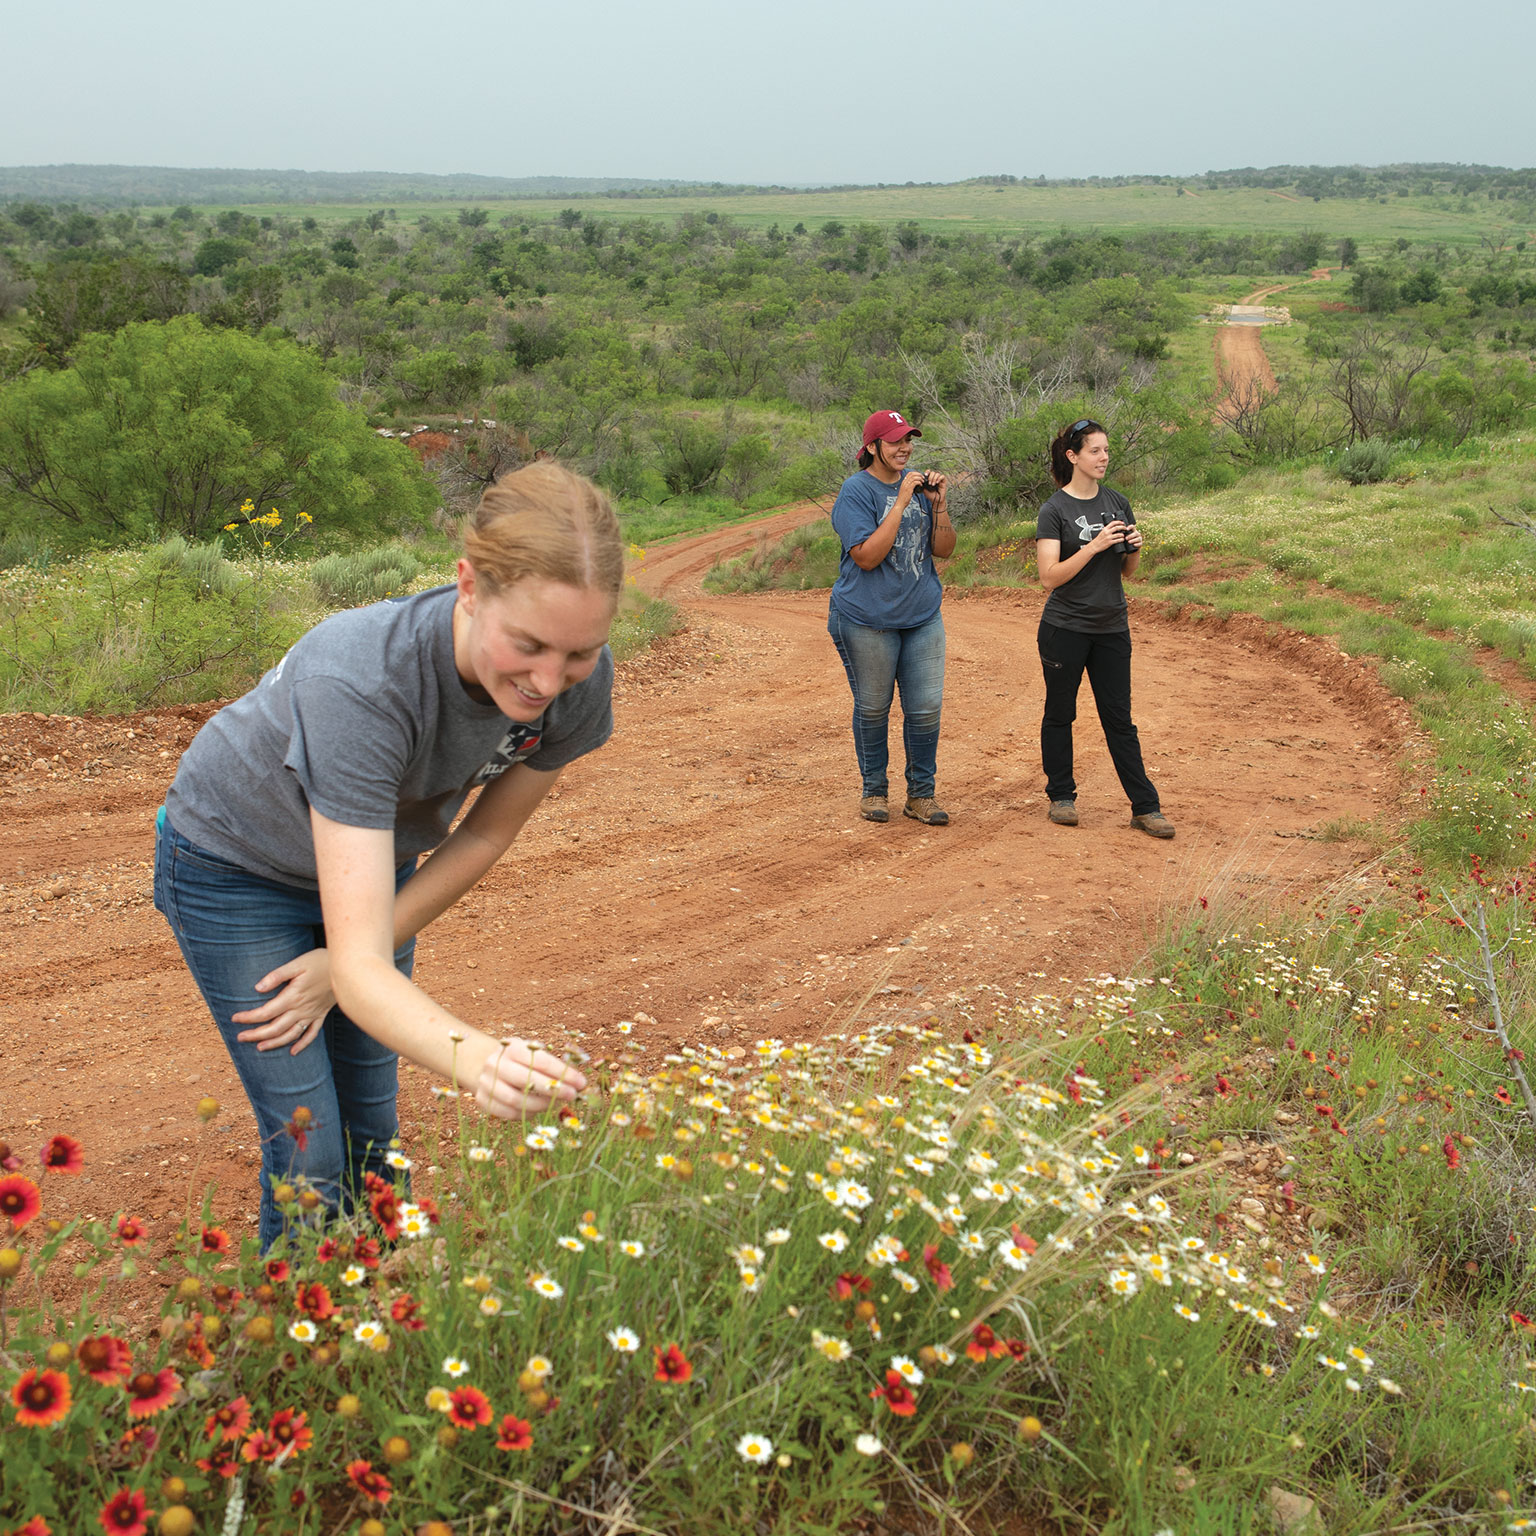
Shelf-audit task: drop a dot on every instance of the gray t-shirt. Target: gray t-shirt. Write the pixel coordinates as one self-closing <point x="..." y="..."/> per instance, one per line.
<point x="366" y="720"/>
<point x="1093" y="602"/>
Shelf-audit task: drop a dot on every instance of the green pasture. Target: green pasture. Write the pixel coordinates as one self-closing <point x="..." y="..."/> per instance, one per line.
<point x="1021" y="207"/>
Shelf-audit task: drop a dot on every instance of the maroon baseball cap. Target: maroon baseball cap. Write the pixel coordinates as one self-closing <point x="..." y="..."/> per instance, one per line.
<point x="888" y="427"/>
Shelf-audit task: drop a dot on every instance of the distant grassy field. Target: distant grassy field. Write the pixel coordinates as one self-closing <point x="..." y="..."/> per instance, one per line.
<point x="1025" y="207"/>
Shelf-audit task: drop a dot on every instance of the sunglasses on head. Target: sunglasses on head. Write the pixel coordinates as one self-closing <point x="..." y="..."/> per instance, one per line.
<point x="1077" y="426"/>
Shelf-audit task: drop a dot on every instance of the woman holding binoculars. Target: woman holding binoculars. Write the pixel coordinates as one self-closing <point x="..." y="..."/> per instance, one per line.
<point x="884" y="613"/>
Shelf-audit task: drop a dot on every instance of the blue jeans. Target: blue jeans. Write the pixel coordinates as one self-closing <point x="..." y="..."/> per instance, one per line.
<point x="878" y="661"/>
<point x="232" y="928"/>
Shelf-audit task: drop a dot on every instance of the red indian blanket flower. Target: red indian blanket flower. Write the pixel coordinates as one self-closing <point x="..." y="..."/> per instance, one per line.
<point x="63" y="1154"/>
<point x="276" y="1270"/>
<point x="386" y="1210"/>
<point x="137" y="1444"/>
<point x="314" y="1299"/>
<point x="19" y="1200"/>
<point x="130" y="1231"/>
<point x="938" y="1271"/>
<point x="984" y="1343"/>
<point x="215" y="1240"/>
<point x="41" y="1397"/>
<point x="897" y="1394"/>
<point x="104" y="1358"/>
<point x="326" y="1251"/>
<point x="259" y="1446"/>
<point x="290" y="1427"/>
<point x="149" y="1394"/>
<point x="515" y="1434"/>
<point x="372" y="1485"/>
<point x="672" y="1364"/>
<point x="846" y="1284"/>
<point x="223" y="1459"/>
<point x="229" y="1422"/>
<point x="468" y="1407"/>
<point x="125" y="1513"/>
<point x="404" y="1309"/>
<point x="36" y="1526"/>
<point x="366" y="1251"/>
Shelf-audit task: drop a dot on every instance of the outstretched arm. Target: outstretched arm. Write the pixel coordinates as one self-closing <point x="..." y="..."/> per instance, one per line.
<point x="357" y="876"/>
<point x="292" y="1016"/>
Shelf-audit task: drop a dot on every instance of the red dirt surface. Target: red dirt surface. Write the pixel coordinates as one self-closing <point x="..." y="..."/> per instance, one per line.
<point x="707" y="867"/>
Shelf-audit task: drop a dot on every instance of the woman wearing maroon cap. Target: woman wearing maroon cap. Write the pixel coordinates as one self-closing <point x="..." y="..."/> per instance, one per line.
<point x="884" y="614"/>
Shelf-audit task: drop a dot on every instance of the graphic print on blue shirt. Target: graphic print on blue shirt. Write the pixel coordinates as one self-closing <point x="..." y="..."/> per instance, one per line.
<point x="521" y="742"/>
<point x="910" y="549"/>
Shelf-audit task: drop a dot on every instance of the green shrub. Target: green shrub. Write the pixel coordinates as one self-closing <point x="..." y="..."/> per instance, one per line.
<point x="1366" y="462"/>
<point x="351" y="580"/>
<point x="203" y="565"/>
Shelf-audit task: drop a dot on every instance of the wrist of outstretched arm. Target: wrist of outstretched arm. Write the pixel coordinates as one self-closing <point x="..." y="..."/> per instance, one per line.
<point x="393" y="1010"/>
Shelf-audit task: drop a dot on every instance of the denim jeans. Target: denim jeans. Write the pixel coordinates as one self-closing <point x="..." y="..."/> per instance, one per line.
<point x="232" y="928"/>
<point x="879" y="661"/>
<point x="1065" y="654"/>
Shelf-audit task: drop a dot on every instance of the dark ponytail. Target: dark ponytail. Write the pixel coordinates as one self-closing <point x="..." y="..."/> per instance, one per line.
<point x="1070" y="439"/>
<point x="865" y="459"/>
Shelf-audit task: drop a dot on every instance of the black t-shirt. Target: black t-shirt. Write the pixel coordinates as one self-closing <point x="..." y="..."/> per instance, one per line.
<point x="1093" y="602"/>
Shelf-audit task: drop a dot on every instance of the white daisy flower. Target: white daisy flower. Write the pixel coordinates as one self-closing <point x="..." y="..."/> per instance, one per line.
<point x="478" y="1154"/>
<point x="625" y="1340"/>
<point x="1012" y="1255"/>
<point x="303" y="1330"/>
<point x="453" y="1366"/>
<point x="907" y="1369"/>
<point x="867" y="1445"/>
<point x="571" y="1244"/>
<point x="490" y="1305"/>
<point x="397" y="1160"/>
<point x="755" y="1448"/>
<point x="353" y="1274"/>
<point x="547" y="1286"/>
<point x="367" y="1331"/>
<point x="633" y="1248"/>
<point x="833" y="1242"/>
<point x="776" y="1236"/>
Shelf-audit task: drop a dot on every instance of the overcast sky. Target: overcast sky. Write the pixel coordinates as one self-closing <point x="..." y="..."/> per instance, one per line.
<point x="793" y="91"/>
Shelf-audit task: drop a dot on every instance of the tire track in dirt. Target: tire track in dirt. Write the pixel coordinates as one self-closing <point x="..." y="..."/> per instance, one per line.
<point x="707" y="867"/>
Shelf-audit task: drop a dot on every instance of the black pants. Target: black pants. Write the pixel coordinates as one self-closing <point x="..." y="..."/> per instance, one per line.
<point x="1064" y="656"/>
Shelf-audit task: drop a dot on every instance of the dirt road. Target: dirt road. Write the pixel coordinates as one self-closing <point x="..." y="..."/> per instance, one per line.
<point x="707" y="867"/>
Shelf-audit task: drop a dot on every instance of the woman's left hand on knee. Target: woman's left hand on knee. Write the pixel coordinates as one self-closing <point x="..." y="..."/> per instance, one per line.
<point x="294" y="1016"/>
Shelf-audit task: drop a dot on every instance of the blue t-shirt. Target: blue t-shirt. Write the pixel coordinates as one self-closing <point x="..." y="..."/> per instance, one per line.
<point x="903" y="591"/>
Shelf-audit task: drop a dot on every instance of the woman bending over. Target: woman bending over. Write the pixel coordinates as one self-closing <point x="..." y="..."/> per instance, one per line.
<point x="286" y="852"/>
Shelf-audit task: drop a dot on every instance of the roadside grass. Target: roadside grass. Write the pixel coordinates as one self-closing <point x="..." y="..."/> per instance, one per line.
<point x="174" y="623"/>
<point x="988" y="552"/>
<point x="646" y="523"/>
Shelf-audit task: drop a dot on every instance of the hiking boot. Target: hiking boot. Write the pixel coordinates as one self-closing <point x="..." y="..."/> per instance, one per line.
<point x="875" y="808"/>
<point x="1154" y="824"/>
<point x="1064" y="813"/>
<point x="926" y="810"/>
